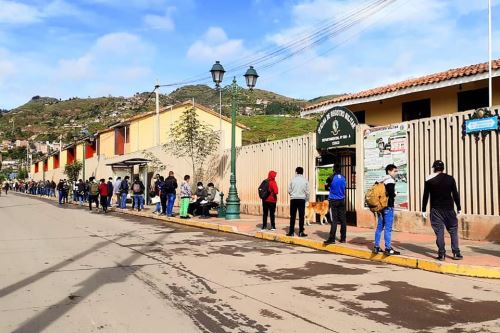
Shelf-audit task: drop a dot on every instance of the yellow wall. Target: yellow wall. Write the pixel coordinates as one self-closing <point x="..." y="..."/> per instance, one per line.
<point x="79" y="152"/>
<point x="443" y="101"/>
<point x="107" y="144"/>
<point x="63" y="158"/>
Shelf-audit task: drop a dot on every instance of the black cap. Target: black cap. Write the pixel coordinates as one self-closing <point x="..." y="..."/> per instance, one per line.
<point x="438" y="165"/>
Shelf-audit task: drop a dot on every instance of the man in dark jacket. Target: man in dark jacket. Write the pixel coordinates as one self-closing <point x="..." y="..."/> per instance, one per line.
<point x="167" y="194"/>
<point x="138" y="190"/>
<point x="60" y="193"/>
<point x="110" y="191"/>
<point x="336" y="199"/>
<point x="442" y="189"/>
<point x="269" y="203"/>
<point x="124" y="188"/>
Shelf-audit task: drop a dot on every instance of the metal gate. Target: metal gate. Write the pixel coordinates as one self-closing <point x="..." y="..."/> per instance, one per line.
<point x="346" y="157"/>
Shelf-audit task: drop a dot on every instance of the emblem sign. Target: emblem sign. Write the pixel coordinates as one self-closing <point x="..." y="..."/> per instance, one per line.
<point x="336" y="128"/>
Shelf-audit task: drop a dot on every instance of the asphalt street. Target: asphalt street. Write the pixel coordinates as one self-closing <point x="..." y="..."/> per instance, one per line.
<point x="71" y="270"/>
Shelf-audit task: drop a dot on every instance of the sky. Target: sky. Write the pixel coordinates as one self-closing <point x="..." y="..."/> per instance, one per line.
<point x="81" y="48"/>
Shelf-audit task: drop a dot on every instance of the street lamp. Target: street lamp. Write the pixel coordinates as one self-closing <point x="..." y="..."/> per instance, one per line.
<point x="233" y="201"/>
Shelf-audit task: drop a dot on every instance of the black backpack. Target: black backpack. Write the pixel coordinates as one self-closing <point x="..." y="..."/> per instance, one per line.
<point x="264" y="191"/>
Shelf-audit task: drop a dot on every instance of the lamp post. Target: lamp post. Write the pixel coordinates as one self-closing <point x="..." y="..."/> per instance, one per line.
<point x="233" y="201"/>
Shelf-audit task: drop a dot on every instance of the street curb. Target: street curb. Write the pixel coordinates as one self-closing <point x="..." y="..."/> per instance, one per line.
<point x="403" y="261"/>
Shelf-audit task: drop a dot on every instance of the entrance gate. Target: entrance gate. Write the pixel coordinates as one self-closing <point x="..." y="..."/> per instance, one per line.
<point x="346" y="157"/>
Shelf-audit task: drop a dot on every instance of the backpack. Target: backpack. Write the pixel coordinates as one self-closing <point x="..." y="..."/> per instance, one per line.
<point x="264" y="191"/>
<point x="94" y="189"/>
<point x="376" y="197"/>
<point x="136" y="187"/>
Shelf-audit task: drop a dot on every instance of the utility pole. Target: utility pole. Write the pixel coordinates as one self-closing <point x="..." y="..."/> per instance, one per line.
<point x="157" y="92"/>
<point x="490" y="56"/>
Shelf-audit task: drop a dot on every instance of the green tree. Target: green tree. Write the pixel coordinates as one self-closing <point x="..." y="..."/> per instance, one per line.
<point x="22" y="174"/>
<point x="73" y="170"/>
<point x="193" y="140"/>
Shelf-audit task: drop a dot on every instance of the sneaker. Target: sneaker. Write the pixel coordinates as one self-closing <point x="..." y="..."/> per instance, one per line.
<point x="391" y="252"/>
<point x="376" y="250"/>
<point x="441" y="256"/>
<point x="457" y="256"/>
<point x="302" y="234"/>
<point x="273" y="229"/>
<point x="329" y="241"/>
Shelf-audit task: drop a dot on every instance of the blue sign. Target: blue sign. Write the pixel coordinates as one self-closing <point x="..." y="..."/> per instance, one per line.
<point x="481" y="124"/>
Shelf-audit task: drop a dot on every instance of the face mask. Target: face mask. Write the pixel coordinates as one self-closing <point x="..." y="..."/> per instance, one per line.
<point x="200" y="187"/>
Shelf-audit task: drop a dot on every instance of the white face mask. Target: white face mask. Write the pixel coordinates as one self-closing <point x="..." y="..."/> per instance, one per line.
<point x="200" y="187"/>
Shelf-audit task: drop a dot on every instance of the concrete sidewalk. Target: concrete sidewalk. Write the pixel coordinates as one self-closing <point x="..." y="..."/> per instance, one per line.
<point x="481" y="258"/>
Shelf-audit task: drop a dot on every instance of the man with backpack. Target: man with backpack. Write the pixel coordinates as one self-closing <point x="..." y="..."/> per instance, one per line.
<point x="336" y="199"/>
<point x="443" y="192"/>
<point x="138" y="190"/>
<point x="124" y="188"/>
<point x="93" y="193"/>
<point x="384" y="209"/>
<point x="268" y="192"/>
<point x="299" y="195"/>
<point x="168" y="192"/>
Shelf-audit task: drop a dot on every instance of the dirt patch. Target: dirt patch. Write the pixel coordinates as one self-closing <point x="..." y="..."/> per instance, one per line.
<point x="310" y="269"/>
<point x="269" y="314"/>
<point x="419" y="308"/>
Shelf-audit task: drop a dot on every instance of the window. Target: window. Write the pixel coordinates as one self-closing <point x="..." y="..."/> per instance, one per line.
<point x="70" y="153"/>
<point x="36" y="167"/>
<point x="472" y="99"/>
<point x="119" y="141"/>
<point x="56" y="161"/>
<point x="360" y="115"/>
<point x="417" y="109"/>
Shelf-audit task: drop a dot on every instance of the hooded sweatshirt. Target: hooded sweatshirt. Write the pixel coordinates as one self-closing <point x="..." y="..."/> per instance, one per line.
<point x="273" y="187"/>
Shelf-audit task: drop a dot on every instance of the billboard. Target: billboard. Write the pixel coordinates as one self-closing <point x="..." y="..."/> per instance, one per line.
<point x="382" y="146"/>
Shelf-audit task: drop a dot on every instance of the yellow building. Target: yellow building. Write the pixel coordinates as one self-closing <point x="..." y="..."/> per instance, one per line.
<point x="132" y="135"/>
<point x="451" y="91"/>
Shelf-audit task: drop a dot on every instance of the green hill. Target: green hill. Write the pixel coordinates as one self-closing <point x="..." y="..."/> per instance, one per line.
<point x="47" y="118"/>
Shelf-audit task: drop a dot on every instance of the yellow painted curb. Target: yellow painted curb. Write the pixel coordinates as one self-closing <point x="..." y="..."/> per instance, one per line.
<point x="423" y="264"/>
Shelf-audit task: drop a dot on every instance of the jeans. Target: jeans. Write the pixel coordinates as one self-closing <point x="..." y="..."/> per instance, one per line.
<point x="385" y="222"/>
<point x="123" y="200"/>
<point x="139" y="201"/>
<point x="441" y="219"/>
<point x="338" y="215"/>
<point x="170" y="203"/>
<point x="61" y="194"/>
<point x="268" y="208"/>
<point x="300" y="206"/>
<point x="109" y="201"/>
<point x="158" y="208"/>
<point x="93" y="198"/>
<point x="80" y="199"/>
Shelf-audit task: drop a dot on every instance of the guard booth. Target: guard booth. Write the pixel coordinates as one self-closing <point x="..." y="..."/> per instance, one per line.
<point x="336" y="145"/>
<point x="133" y="167"/>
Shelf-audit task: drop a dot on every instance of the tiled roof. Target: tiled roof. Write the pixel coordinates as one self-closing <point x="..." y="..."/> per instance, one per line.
<point x="420" y="81"/>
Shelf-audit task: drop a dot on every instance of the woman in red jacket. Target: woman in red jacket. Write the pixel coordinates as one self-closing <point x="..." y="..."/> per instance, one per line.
<point x="269" y="204"/>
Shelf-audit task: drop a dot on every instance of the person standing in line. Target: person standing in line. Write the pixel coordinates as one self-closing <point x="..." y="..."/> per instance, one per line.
<point x="138" y="190"/>
<point x="66" y="189"/>
<point x="103" y="194"/>
<point x="93" y="193"/>
<point x="299" y="194"/>
<point x="110" y="192"/>
<point x="170" y="189"/>
<point x="185" y="198"/>
<point x="385" y="218"/>
<point x="270" y="200"/>
<point x="60" y="193"/>
<point x="81" y="191"/>
<point x="336" y="199"/>
<point x="116" y="191"/>
<point x="124" y="188"/>
<point x="443" y="192"/>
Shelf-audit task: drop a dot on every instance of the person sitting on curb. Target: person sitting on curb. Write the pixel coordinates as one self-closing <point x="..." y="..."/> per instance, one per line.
<point x="213" y="200"/>
<point x="200" y="199"/>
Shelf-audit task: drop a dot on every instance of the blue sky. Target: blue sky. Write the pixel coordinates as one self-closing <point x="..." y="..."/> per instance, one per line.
<point x="64" y="48"/>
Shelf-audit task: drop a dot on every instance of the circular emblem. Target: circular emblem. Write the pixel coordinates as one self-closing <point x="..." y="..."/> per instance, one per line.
<point x="335" y="127"/>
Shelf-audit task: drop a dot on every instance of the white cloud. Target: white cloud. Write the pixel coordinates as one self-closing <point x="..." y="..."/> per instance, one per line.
<point x="161" y="22"/>
<point x="215" y="44"/>
<point x="13" y="12"/>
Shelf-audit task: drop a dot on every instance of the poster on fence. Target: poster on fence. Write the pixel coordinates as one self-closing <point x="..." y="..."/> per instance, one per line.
<point x="322" y="174"/>
<point x="382" y="146"/>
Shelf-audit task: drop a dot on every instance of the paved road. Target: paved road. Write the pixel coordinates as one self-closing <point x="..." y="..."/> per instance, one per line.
<point x="68" y="270"/>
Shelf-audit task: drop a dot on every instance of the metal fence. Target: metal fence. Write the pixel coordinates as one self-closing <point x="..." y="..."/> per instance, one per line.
<point x="475" y="164"/>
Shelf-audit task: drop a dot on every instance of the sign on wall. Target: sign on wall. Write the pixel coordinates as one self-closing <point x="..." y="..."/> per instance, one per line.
<point x="322" y="173"/>
<point x="336" y="128"/>
<point x="382" y="146"/>
<point x="481" y="122"/>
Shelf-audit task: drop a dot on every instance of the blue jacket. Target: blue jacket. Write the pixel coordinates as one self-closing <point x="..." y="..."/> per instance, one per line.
<point x="337" y="188"/>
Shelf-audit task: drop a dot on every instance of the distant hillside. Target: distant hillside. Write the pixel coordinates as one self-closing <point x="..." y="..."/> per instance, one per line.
<point x="46" y="118"/>
<point x="323" y="98"/>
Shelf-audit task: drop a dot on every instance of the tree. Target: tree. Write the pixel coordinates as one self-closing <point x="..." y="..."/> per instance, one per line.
<point x="73" y="170"/>
<point x="193" y="140"/>
<point x="22" y="174"/>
